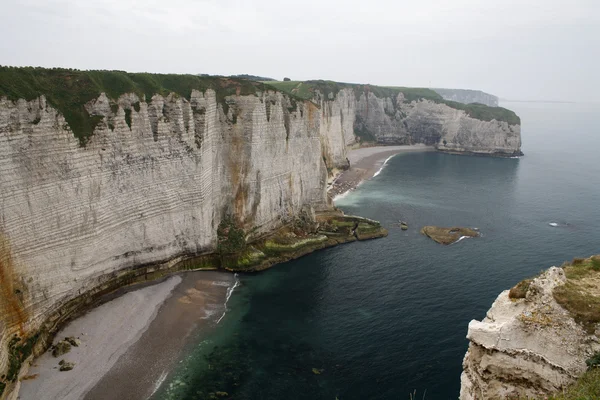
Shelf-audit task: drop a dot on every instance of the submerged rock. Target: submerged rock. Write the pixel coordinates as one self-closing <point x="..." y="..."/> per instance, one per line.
<point x="448" y="235"/>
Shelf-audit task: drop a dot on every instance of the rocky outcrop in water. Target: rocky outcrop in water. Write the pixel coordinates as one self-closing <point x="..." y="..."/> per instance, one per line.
<point x="448" y="235"/>
<point x="528" y="345"/>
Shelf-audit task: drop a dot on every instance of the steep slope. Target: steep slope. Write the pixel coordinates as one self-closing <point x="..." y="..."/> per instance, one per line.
<point x="108" y="177"/>
<point x="152" y="183"/>
<point x="394" y="115"/>
<point x="536" y="338"/>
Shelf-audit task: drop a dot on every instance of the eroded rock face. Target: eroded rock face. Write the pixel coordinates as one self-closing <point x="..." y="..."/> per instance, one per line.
<point x="525" y="347"/>
<point x="152" y="183"/>
<point x="395" y="121"/>
<point x="468" y="96"/>
<point x="157" y="176"/>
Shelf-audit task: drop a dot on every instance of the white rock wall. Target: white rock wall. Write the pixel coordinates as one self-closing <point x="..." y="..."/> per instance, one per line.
<point x="394" y="121"/>
<point x="525" y="348"/>
<point x="337" y="127"/>
<point x="72" y="215"/>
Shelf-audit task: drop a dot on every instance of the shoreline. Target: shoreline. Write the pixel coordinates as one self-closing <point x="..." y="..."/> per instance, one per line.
<point x="148" y="325"/>
<point x="366" y="163"/>
<point x="146" y="316"/>
<point x="148" y="320"/>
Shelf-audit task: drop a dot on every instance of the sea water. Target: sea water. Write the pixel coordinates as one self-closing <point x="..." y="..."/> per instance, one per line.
<point x="387" y="319"/>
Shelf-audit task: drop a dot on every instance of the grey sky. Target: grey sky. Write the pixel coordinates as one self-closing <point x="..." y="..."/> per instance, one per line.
<point x="518" y="49"/>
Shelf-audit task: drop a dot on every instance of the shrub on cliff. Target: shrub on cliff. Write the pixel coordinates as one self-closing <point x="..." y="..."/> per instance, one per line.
<point x="587" y="387"/>
<point x="595" y="263"/>
<point x="594" y="361"/>
<point x="231" y="238"/>
<point x="519" y="291"/>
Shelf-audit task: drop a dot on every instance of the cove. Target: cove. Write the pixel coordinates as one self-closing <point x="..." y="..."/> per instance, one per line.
<point x="385" y="319"/>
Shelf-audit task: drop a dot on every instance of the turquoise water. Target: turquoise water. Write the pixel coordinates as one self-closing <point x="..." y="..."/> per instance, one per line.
<point x="387" y="318"/>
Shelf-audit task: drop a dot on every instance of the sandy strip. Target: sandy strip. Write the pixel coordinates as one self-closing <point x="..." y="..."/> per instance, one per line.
<point x="106" y="333"/>
<point x="130" y="343"/>
<point x="365" y="163"/>
<point x="195" y="307"/>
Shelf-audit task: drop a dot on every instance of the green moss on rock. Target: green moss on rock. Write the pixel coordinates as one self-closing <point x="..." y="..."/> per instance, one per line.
<point x="18" y="351"/>
<point x="68" y="90"/>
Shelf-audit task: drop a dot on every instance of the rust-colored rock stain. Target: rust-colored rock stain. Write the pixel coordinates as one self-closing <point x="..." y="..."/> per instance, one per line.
<point x="12" y="312"/>
<point x="238" y="166"/>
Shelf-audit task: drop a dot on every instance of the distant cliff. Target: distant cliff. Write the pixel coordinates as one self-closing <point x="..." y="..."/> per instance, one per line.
<point x="106" y="175"/>
<point x="398" y="115"/>
<point x="468" y="96"/>
<point x="536" y="338"/>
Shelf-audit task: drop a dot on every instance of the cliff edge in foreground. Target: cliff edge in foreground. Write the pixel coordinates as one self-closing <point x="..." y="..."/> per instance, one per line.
<point x="536" y="338"/>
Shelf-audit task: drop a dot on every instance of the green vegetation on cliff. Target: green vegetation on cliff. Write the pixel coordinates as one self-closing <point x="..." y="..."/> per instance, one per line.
<point x="587" y="387"/>
<point x="306" y="90"/>
<point x="68" y="90"/>
<point x="580" y="295"/>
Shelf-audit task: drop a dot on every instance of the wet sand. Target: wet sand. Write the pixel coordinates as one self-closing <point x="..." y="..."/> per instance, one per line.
<point x="129" y="344"/>
<point x="364" y="164"/>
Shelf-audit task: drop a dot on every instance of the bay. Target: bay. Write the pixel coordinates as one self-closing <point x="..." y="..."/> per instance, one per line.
<point x="387" y="319"/>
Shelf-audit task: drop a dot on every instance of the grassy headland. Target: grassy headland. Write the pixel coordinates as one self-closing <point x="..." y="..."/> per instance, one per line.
<point x="580" y="296"/>
<point x="307" y="89"/>
<point x="68" y="90"/>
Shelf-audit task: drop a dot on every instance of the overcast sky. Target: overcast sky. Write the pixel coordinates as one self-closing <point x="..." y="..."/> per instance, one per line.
<point x="517" y="49"/>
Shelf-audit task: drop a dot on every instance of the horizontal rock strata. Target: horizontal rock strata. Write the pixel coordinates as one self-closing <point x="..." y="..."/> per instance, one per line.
<point x="156" y="178"/>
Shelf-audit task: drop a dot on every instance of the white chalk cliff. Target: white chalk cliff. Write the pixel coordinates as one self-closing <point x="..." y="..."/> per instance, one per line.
<point x="394" y="120"/>
<point x="525" y="348"/>
<point x="156" y="177"/>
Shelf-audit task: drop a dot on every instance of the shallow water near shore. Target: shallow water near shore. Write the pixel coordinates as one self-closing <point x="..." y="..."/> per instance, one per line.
<point x="387" y="318"/>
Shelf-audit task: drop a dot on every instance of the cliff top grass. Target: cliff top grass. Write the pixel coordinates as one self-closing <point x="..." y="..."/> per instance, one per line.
<point x="307" y="90"/>
<point x="68" y="90"/>
<point x="580" y="295"/>
<point x="587" y="387"/>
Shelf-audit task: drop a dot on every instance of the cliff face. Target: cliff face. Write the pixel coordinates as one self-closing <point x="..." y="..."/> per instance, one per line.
<point x="72" y="216"/>
<point x="468" y="96"/>
<point x="526" y="347"/>
<point x="337" y="127"/>
<point x="156" y="178"/>
<point x="397" y="115"/>
<point x="397" y="121"/>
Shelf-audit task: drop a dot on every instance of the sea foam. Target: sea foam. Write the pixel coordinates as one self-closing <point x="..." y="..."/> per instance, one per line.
<point x="384" y="163"/>
<point x="229" y="293"/>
